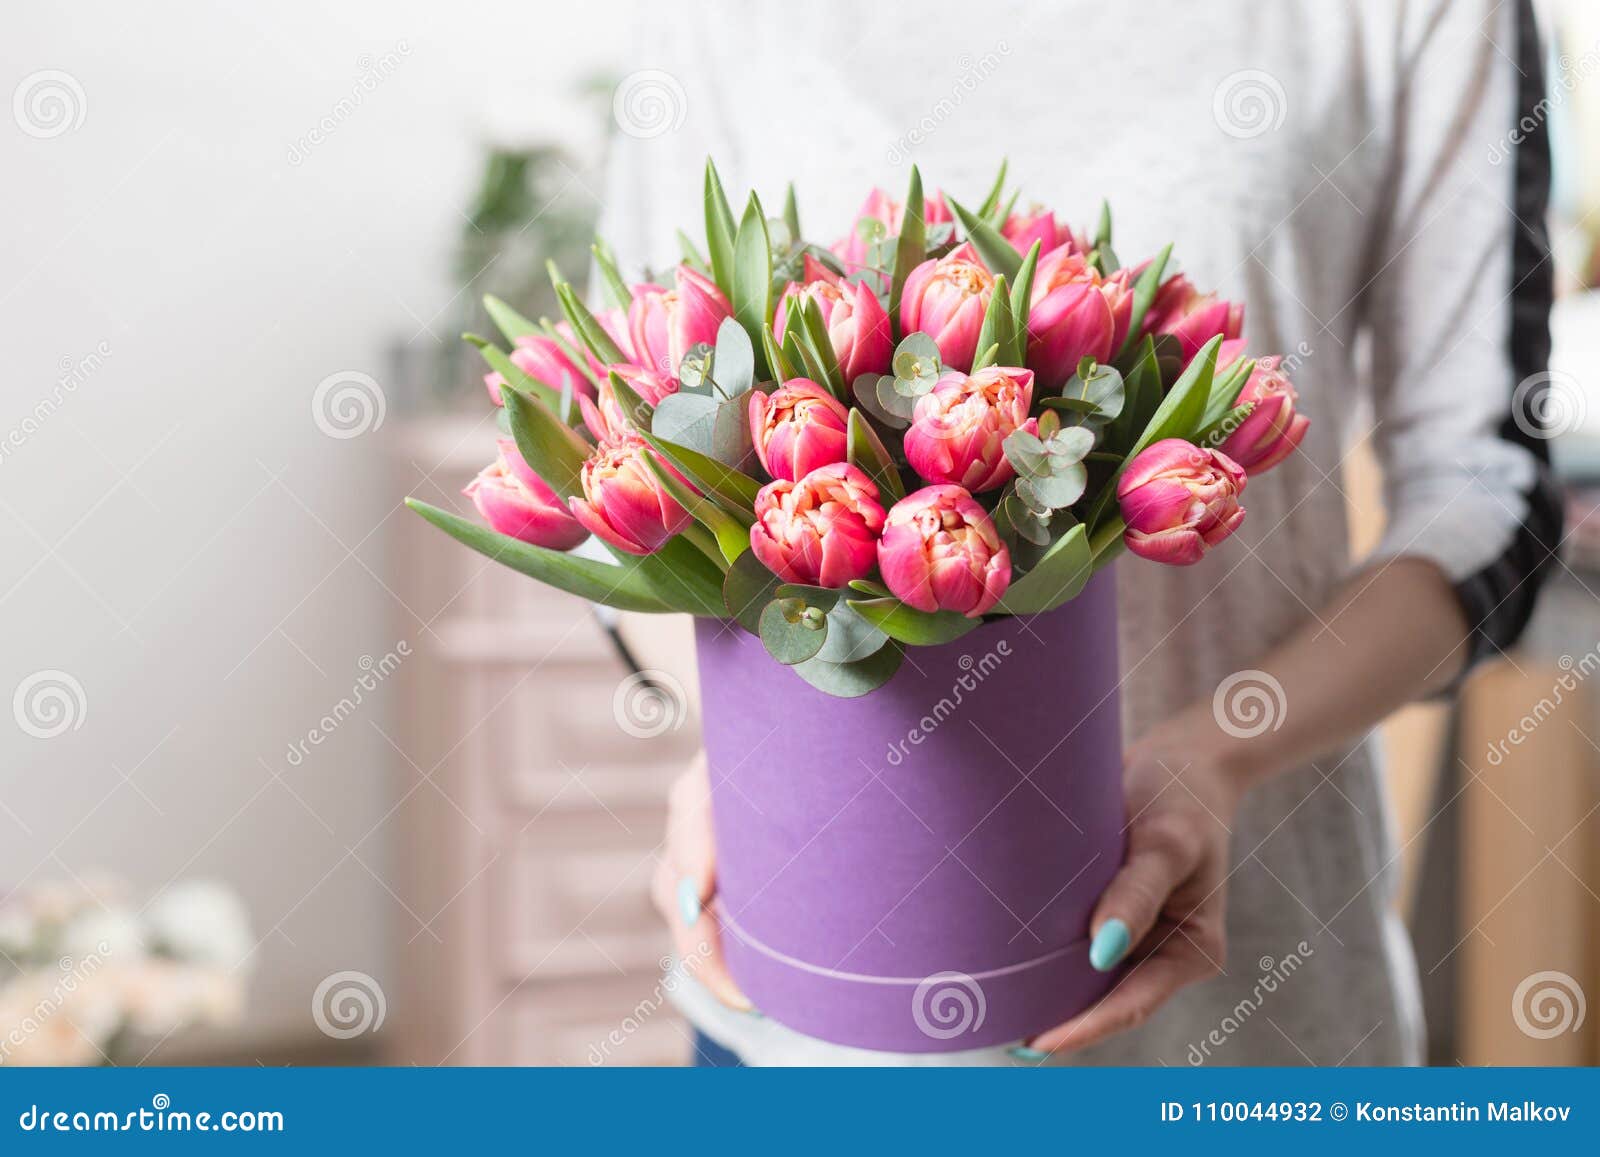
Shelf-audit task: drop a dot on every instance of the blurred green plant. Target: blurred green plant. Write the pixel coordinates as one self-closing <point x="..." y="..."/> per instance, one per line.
<point x="529" y="209"/>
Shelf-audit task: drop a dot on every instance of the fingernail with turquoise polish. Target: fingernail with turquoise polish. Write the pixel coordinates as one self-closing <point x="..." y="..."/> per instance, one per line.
<point x="1024" y="1053"/>
<point x="1110" y="945"/>
<point x="689" y="901"/>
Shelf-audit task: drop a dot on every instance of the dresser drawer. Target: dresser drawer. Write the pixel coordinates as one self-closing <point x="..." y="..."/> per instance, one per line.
<point x="571" y="895"/>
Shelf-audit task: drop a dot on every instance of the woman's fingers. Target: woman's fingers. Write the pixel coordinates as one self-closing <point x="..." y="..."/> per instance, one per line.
<point x="685" y="883"/>
<point x="1163" y="854"/>
<point x="1145" y="988"/>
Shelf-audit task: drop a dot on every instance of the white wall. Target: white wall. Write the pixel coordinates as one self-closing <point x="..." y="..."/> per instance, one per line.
<point x="177" y="534"/>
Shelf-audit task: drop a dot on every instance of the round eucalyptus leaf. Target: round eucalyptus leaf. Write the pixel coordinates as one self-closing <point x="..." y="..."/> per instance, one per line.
<point x="792" y="631"/>
<point x="852" y="680"/>
<point x="851" y="638"/>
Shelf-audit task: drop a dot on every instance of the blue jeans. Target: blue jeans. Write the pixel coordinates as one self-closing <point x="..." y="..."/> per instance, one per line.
<point x="708" y="1054"/>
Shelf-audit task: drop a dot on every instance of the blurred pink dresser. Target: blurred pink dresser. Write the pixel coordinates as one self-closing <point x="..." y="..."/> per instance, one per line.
<point x="529" y="807"/>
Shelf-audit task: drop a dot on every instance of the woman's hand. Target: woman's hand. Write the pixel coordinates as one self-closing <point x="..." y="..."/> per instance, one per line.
<point x="686" y="880"/>
<point x="1165" y="908"/>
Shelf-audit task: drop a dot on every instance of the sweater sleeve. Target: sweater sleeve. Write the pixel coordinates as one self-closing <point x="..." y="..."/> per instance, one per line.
<point x="1457" y="304"/>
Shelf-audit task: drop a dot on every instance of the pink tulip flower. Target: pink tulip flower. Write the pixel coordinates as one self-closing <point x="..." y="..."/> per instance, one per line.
<point x="797" y="428"/>
<point x="1071" y="317"/>
<point x="1023" y="229"/>
<point x="1118" y="292"/>
<point x="515" y="501"/>
<point x="623" y="502"/>
<point x="858" y="328"/>
<point x="821" y="530"/>
<point x="957" y="428"/>
<point x="946" y="299"/>
<point x="1273" y="429"/>
<point x="604" y="416"/>
<point x="543" y="360"/>
<point x="1192" y="317"/>
<point x="941" y="552"/>
<point x="1179" y="500"/>
<point x="665" y="324"/>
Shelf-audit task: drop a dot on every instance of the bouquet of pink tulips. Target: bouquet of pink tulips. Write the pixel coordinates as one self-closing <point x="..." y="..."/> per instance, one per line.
<point x="950" y="413"/>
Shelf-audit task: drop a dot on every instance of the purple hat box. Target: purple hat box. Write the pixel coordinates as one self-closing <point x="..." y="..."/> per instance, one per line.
<point x="914" y="870"/>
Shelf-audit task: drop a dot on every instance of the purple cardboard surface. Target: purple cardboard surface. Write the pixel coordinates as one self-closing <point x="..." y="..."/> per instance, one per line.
<point x="914" y="870"/>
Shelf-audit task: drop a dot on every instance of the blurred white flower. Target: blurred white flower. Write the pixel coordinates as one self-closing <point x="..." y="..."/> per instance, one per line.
<point x="91" y="966"/>
<point x="18" y="930"/>
<point x="114" y="933"/>
<point x="201" y="921"/>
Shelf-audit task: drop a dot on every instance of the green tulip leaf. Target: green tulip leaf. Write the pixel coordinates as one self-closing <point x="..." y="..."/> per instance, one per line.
<point x="998" y="329"/>
<point x="720" y="232"/>
<point x="1057" y="577"/>
<point x="1022" y="303"/>
<point x="589" y="330"/>
<point x="551" y="448"/>
<point x="507" y="320"/>
<point x="691" y="254"/>
<point x="791" y="212"/>
<point x="1214" y="435"/>
<point x="911" y="247"/>
<point x="999" y="255"/>
<point x="868" y="587"/>
<point x="1181" y="412"/>
<point x="990" y="205"/>
<point x="1225" y="389"/>
<point x="519" y="381"/>
<point x="635" y="409"/>
<point x="734" y="490"/>
<point x="868" y="454"/>
<point x="1141" y="395"/>
<point x="752" y="272"/>
<point x="623" y="587"/>
<point x="732" y="536"/>
<point x="610" y="278"/>
<point x="1144" y="293"/>
<point x="682" y="574"/>
<point x="909" y="625"/>
<point x="821" y="347"/>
